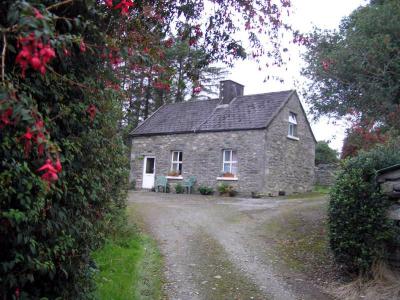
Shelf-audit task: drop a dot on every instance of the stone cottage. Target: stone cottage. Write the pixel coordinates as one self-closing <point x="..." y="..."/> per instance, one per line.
<point x="256" y="143"/>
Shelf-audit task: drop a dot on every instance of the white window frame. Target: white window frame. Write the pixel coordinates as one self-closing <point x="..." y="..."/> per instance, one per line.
<point x="177" y="162"/>
<point x="292" y="130"/>
<point x="231" y="162"/>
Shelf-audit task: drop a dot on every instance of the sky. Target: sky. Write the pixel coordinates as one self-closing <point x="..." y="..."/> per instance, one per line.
<point x="325" y="14"/>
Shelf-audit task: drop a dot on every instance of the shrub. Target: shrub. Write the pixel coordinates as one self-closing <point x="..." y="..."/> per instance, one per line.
<point x="325" y="154"/>
<point x="205" y="190"/>
<point x="358" y="227"/>
<point x="226" y="190"/>
<point x="63" y="164"/>
<point x="179" y="189"/>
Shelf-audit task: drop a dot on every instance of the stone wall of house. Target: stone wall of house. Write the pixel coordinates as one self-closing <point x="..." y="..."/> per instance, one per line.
<point x="325" y="174"/>
<point x="289" y="162"/>
<point x="202" y="157"/>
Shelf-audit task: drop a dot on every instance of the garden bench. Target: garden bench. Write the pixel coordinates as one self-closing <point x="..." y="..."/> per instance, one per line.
<point x="161" y="181"/>
<point x="189" y="183"/>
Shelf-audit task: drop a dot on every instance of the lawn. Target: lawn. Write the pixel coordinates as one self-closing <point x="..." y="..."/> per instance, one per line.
<point x="130" y="267"/>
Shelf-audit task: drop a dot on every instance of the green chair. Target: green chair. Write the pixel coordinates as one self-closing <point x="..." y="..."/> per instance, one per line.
<point x="188" y="184"/>
<point x="161" y="181"/>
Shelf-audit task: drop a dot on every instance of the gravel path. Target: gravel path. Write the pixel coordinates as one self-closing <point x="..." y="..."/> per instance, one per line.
<point x="217" y="248"/>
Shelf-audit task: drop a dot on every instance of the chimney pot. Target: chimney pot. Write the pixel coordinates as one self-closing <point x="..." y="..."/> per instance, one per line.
<point x="228" y="90"/>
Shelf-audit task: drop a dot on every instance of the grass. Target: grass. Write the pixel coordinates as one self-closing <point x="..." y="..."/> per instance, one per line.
<point x="319" y="191"/>
<point x="129" y="267"/>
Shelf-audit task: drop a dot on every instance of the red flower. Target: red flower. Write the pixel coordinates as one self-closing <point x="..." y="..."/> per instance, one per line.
<point x="36" y="63"/>
<point x="124" y="6"/>
<point x="82" y="46"/>
<point x="33" y="53"/>
<point x="17" y="292"/>
<point x="326" y="64"/>
<point x="5" y="116"/>
<point x="28" y="144"/>
<point x="50" y="171"/>
<point x="92" y="110"/>
<point x="39" y="124"/>
<point x="197" y="90"/>
<point x="109" y="3"/>
<point x="57" y="165"/>
<point x="38" y="15"/>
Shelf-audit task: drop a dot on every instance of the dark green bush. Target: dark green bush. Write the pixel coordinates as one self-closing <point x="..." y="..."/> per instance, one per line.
<point x="205" y="190"/>
<point x="48" y="230"/>
<point x="179" y="189"/>
<point x="358" y="227"/>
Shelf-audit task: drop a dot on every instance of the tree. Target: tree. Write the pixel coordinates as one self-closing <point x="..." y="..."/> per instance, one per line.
<point x="362" y="137"/>
<point x="325" y="154"/>
<point x="357" y="68"/>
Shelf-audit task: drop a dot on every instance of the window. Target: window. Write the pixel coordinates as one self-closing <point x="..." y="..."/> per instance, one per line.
<point x="292" y="125"/>
<point x="150" y="165"/>
<point x="176" y="162"/>
<point x="229" y="164"/>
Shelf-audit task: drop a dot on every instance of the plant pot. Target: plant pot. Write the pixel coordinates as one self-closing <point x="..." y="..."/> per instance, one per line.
<point x="228" y="175"/>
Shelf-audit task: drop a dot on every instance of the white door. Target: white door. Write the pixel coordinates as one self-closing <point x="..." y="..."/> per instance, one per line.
<point x="149" y="172"/>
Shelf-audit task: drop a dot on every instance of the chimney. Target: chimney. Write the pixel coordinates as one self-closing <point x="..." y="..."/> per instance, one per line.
<point x="228" y="90"/>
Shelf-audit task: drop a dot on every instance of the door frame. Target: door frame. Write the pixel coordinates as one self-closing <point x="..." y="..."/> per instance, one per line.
<point x="144" y="169"/>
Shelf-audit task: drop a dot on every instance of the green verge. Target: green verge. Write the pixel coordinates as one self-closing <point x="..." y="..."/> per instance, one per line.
<point x="130" y="267"/>
<point x="319" y="191"/>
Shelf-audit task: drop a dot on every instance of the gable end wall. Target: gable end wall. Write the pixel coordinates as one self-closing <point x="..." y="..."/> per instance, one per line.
<point x="289" y="163"/>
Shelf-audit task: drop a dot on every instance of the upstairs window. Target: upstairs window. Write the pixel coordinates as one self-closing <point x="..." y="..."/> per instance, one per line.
<point x="176" y="162"/>
<point x="229" y="164"/>
<point x="292" y="125"/>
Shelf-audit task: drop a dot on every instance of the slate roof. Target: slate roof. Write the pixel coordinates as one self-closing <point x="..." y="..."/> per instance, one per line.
<point x="244" y="112"/>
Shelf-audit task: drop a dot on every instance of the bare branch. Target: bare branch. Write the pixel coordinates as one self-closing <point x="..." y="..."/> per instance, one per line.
<point x="59" y="4"/>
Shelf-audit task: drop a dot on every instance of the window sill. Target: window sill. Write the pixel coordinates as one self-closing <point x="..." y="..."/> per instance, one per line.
<point x="228" y="178"/>
<point x="295" y="138"/>
<point x="175" y="177"/>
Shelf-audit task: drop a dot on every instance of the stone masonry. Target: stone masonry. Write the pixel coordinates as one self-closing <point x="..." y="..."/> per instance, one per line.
<point x="289" y="163"/>
<point x="269" y="161"/>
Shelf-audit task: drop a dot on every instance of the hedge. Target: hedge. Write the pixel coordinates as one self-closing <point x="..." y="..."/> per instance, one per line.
<point x="358" y="226"/>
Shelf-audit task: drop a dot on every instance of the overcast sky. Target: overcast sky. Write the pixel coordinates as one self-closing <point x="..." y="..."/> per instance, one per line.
<point x="307" y="13"/>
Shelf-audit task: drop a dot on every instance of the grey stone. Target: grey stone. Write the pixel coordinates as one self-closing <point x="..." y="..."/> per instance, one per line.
<point x="268" y="161"/>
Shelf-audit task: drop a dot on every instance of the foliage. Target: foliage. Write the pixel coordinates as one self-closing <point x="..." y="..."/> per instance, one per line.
<point x="362" y="137"/>
<point x="226" y="190"/>
<point x="129" y="265"/>
<point x="179" y="189"/>
<point x="205" y="190"/>
<point x="325" y="154"/>
<point x="357" y="69"/>
<point x="358" y="224"/>
<point x="60" y="187"/>
<point x="63" y="90"/>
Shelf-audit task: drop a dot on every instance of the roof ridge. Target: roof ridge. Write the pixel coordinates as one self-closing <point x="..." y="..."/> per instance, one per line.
<point x="189" y="101"/>
<point x="268" y="93"/>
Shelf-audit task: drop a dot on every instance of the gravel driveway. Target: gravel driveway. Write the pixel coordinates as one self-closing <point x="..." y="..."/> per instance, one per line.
<point x="218" y="248"/>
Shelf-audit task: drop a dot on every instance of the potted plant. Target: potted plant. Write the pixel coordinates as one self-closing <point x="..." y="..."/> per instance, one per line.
<point x="228" y="174"/>
<point x="226" y="190"/>
<point x="173" y="173"/>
